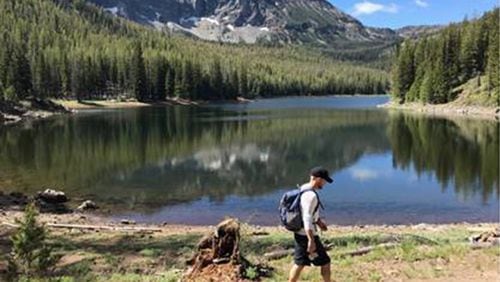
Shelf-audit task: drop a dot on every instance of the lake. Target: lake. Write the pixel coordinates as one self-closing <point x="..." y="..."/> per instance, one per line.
<point x="195" y="165"/>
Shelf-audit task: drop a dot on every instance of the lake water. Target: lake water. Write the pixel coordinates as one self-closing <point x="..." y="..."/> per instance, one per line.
<point x="195" y="165"/>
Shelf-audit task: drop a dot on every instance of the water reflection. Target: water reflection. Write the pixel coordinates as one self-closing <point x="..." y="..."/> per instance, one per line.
<point x="145" y="159"/>
<point x="463" y="153"/>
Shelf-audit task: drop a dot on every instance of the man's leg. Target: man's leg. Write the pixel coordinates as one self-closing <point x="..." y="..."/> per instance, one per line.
<point x="295" y="273"/>
<point x="325" y="272"/>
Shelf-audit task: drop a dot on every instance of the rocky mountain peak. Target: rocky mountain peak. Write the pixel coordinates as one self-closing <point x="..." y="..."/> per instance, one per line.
<point x="314" y="22"/>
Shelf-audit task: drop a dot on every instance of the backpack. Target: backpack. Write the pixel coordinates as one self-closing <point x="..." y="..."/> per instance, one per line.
<point x="289" y="208"/>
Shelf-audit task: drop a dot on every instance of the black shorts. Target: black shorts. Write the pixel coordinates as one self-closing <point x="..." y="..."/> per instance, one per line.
<point x="300" y="255"/>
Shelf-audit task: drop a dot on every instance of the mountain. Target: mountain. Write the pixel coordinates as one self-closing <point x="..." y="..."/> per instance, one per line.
<point x="312" y="22"/>
<point x="417" y="31"/>
<point x="76" y="50"/>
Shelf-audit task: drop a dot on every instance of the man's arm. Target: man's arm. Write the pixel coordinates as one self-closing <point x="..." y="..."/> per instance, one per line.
<point x="322" y="224"/>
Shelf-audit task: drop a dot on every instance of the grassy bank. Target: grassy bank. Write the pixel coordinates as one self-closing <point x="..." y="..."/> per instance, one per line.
<point x="423" y="252"/>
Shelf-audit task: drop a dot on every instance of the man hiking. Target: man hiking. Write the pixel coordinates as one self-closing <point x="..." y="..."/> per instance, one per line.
<point x="308" y="247"/>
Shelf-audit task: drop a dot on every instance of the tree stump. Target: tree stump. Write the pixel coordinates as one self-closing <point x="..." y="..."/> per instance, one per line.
<point x="218" y="255"/>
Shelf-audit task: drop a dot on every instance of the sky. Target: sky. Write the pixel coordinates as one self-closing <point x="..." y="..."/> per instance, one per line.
<point x="399" y="13"/>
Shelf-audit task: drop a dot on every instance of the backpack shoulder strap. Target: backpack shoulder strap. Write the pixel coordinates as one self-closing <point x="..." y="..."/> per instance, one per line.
<point x="317" y="197"/>
<point x="319" y="202"/>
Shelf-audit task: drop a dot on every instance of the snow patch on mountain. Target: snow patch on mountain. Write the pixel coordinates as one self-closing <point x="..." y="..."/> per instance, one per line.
<point x="112" y="10"/>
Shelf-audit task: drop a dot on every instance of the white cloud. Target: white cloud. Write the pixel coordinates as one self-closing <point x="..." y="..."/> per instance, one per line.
<point x="363" y="174"/>
<point x="421" y="3"/>
<point x="367" y="8"/>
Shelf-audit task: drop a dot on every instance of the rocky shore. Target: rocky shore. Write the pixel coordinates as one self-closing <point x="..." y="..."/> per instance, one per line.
<point x="446" y="110"/>
<point x="29" y="109"/>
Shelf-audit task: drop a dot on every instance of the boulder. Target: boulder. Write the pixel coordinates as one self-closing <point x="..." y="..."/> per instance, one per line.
<point x="52" y="201"/>
<point x="87" y="205"/>
<point x="127" y="222"/>
<point x="16" y="199"/>
<point x="52" y="196"/>
<point x="57" y="208"/>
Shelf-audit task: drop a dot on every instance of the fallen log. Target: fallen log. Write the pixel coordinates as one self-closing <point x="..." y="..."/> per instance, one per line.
<point x="361" y="251"/>
<point x="366" y="250"/>
<point x="278" y="254"/>
<point x="484" y="245"/>
<point x="91" y="227"/>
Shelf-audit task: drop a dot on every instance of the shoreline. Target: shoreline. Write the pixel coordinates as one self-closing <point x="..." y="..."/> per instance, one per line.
<point x="57" y="207"/>
<point x="445" y="110"/>
<point x="29" y="109"/>
<point x="76" y="106"/>
<point x="8" y="216"/>
<point x="34" y="109"/>
<point x="96" y="222"/>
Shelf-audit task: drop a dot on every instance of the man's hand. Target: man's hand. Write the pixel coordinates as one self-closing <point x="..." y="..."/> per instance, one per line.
<point x="322" y="225"/>
<point x="311" y="246"/>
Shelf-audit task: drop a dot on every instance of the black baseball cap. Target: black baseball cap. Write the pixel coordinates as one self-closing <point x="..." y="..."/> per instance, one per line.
<point x="322" y="173"/>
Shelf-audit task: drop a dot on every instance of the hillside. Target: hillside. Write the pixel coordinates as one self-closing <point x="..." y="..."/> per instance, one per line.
<point x="458" y="61"/>
<point x="76" y="50"/>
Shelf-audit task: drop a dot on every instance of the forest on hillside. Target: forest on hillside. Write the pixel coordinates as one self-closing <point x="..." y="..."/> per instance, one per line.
<point x="429" y="69"/>
<point x="75" y="50"/>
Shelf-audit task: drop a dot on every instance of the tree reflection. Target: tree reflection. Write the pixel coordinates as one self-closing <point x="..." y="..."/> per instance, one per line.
<point x="463" y="153"/>
<point x="146" y="158"/>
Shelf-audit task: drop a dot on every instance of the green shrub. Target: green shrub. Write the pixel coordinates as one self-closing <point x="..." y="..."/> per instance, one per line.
<point x="30" y="254"/>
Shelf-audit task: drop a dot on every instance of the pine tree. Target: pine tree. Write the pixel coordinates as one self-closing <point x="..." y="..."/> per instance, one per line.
<point x="170" y="81"/>
<point x="469" y="53"/>
<point x="233" y="85"/>
<point x="441" y="84"/>
<point x="41" y="78"/>
<point x="452" y="55"/>
<point x="243" y="82"/>
<point x="196" y="82"/>
<point x="420" y="63"/>
<point x="159" y="75"/>
<point x="426" y="89"/>
<point x="216" y="79"/>
<point x="77" y="79"/>
<point x="179" y="90"/>
<point x="138" y="73"/>
<point x="65" y="74"/>
<point x="21" y="72"/>
<point x="30" y="252"/>
<point x="404" y="72"/>
<point x="187" y="80"/>
<point x="492" y="68"/>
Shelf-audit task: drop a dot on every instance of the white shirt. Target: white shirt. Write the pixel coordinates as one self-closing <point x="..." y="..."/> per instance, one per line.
<point x="308" y="203"/>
